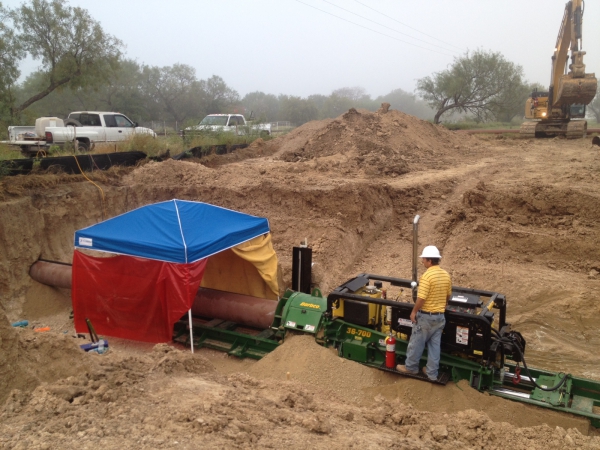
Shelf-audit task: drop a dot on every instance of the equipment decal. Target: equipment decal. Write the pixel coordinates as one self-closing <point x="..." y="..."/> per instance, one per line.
<point x="359" y="334"/>
<point x="310" y="305"/>
<point x="87" y="242"/>
<point x="405" y="322"/>
<point x="289" y="323"/>
<point x="462" y="335"/>
<point x="309" y="328"/>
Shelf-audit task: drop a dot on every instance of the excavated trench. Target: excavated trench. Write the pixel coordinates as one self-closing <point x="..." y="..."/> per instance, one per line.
<point x="41" y="226"/>
<point x="514" y="217"/>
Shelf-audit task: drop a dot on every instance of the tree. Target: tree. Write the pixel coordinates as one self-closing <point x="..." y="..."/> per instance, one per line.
<point x="73" y="48"/>
<point x="336" y="105"/>
<point x="594" y="108"/>
<point x="407" y="103"/>
<point x="297" y="110"/>
<point x="173" y="90"/>
<point x="319" y="101"/>
<point x="478" y="84"/>
<point x="356" y="93"/>
<point x="11" y="52"/>
<point x="341" y="100"/>
<point x="264" y="107"/>
<point x="123" y="92"/>
<point x="218" y="97"/>
<point x="512" y="101"/>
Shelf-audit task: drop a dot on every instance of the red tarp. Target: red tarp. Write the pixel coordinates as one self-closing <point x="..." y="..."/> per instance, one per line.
<point x="132" y="298"/>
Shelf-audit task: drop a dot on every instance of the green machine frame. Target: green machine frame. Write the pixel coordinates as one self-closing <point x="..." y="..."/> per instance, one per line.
<point x="303" y="313"/>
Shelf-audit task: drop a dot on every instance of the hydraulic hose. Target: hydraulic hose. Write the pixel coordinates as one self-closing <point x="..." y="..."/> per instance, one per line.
<point x="553" y="388"/>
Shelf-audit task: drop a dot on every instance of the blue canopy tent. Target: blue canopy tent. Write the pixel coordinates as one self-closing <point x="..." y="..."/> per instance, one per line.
<point x="176" y="231"/>
<point x="161" y="256"/>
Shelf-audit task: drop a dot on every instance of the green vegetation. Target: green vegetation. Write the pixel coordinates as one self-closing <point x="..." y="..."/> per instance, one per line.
<point x="594" y="108"/>
<point x="73" y="49"/>
<point x="9" y="152"/>
<point x="482" y="84"/>
<point x="83" y="68"/>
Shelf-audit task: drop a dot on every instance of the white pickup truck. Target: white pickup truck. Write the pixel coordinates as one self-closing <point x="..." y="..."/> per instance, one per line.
<point x="229" y="123"/>
<point x="83" y="129"/>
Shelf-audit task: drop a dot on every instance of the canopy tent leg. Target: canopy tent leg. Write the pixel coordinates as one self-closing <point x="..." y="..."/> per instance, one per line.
<point x="191" y="331"/>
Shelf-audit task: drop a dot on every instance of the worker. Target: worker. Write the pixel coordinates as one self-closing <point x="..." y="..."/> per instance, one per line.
<point x="427" y="316"/>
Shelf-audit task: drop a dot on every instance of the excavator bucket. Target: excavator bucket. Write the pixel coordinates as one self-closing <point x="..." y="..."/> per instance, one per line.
<point x="577" y="90"/>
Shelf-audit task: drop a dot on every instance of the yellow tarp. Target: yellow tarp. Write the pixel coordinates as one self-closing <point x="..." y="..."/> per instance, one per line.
<point x="250" y="268"/>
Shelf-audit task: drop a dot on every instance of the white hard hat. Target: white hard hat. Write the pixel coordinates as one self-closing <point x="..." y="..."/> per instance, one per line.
<point x="430" y="251"/>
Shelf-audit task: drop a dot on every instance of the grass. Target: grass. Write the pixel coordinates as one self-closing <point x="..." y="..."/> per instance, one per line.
<point x="9" y="152"/>
<point x="140" y="142"/>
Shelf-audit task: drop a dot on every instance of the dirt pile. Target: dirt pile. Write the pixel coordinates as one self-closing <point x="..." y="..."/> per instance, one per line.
<point x="383" y="143"/>
<point x="301" y="359"/>
<point x="169" y="173"/>
<point x="557" y="226"/>
<point x="169" y="398"/>
<point x="29" y="358"/>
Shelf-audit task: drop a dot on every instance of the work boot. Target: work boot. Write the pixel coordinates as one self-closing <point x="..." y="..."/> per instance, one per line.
<point x="403" y="369"/>
<point x="424" y="370"/>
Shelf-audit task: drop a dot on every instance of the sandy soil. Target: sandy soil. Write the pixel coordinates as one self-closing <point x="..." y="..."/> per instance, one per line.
<point x="515" y="216"/>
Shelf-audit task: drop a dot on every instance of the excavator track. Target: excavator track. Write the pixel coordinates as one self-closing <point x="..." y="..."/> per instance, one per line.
<point x="576" y="129"/>
<point x="572" y="129"/>
<point x="528" y="129"/>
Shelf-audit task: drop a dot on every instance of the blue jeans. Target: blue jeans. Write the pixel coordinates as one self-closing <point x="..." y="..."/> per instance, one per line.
<point x="427" y="331"/>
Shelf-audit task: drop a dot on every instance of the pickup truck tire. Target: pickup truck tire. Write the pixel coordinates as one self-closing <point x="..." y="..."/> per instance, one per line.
<point x="83" y="146"/>
<point x="72" y="123"/>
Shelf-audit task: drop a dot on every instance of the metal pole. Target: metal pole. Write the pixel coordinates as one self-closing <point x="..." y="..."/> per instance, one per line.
<point x="191" y="331"/>
<point x="414" y="261"/>
<point x="299" y="269"/>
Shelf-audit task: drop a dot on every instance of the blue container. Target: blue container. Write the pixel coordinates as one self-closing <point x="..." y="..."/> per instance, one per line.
<point x="99" y="347"/>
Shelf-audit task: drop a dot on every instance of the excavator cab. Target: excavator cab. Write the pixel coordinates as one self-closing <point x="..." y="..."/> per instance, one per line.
<point x="577" y="111"/>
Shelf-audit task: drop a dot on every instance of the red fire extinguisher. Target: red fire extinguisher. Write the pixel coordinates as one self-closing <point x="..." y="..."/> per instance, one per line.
<point x="390" y="352"/>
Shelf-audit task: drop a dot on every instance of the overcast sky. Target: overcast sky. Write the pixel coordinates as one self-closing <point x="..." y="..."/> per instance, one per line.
<point x="304" y="47"/>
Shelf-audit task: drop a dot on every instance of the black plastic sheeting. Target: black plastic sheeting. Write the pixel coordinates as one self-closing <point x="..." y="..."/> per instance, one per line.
<point x="204" y="150"/>
<point x="12" y="167"/>
<point x="69" y="164"/>
<point x="100" y="161"/>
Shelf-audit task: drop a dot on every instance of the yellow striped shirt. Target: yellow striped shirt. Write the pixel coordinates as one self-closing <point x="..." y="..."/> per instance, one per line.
<point x="435" y="286"/>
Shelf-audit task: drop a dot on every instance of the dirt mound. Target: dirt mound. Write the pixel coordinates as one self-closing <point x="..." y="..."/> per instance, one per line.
<point x="557" y="226"/>
<point x="173" y="361"/>
<point x="306" y="361"/>
<point x="138" y="402"/>
<point x="169" y="173"/>
<point x="300" y="358"/>
<point x="380" y="143"/>
<point x="28" y="358"/>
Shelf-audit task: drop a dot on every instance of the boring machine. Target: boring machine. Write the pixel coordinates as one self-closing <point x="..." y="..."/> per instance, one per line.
<point x="359" y="320"/>
<point x="367" y="320"/>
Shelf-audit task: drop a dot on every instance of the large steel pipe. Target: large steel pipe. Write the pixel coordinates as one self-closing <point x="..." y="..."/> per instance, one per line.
<point x="237" y="308"/>
<point x="509" y="131"/>
<point x="241" y="309"/>
<point x="51" y="273"/>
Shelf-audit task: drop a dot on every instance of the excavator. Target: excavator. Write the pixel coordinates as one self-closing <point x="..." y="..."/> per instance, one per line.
<point x="551" y="113"/>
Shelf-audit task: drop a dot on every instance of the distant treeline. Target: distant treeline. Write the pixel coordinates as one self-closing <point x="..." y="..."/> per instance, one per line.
<point x="81" y="67"/>
<point x="175" y="95"/>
